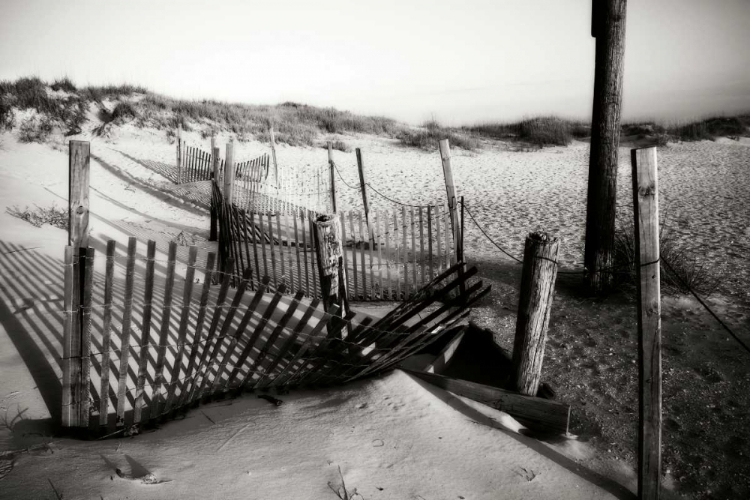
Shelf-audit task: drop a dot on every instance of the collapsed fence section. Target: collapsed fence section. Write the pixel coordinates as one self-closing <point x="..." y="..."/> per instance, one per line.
<point x="151" y="343"/>
<point x="391" y="259"/>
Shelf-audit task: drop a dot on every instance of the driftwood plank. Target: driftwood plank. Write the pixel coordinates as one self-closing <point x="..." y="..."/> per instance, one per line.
<point x="127" y="317"/>
<point x="148" y="299"/>
<point x="537" y="414"/>
<point x="109" y="278"/>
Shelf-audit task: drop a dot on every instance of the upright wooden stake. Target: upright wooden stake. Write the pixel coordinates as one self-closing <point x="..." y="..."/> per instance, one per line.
<point x="329" y="249"/>
<point x="213" y="235"/>
<point x="646" y="215"/>
<point x="179" y="154"/>
<point x="363" y="188"/>
<point x="229" y="172"/>
<point x="450" y="188"/>
<point x="608" y="26"/>
<point x="273" y="155"/>
<point x="78" y="195"/>
<point x="333" y="184"/>
<point x="534" y="306"/>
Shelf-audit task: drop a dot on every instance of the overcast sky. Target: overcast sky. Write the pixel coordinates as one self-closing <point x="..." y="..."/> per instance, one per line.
<point x="461" y="61"/>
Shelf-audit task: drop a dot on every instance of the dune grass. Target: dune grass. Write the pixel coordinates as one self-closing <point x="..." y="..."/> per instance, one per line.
<point x="539" y="131"/>
<point x="712" y="128"/>
<point x="431" y="133"/>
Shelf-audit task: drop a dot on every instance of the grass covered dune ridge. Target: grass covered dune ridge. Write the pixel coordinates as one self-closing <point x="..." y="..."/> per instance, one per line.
<point x="64" y="106"/>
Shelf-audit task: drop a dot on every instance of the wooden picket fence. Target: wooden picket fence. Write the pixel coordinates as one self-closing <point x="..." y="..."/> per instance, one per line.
<point x="147" y="345"/>
<point x="402" y="251"/>
<point x="195" y="165"/>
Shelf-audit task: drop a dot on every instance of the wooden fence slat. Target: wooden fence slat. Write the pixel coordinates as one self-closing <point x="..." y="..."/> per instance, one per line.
<point x="414" y="248"/>
<point x="148" y="297"/>
<point x="210" y="263"/>
<point x="284" y="277"/>
<point x="294" y="374"/>
<point x="109" y="278"/>
<point x="239" y="259"/>
<point x="215" y="318"/>
<point x="287" y="345"/>
<point x="257" y="332"/>
<point x="421" y="245"/>
<point x="157" y="398"/>
<point x="396" y="258"/>
<point x="263" y="237"/>
<point x="304" y="248"/>
<point x="254" y="229"/>
<point x="448" y="239"/>
<point x="231" y="342"/>
<point x="362" y="250"/>
<point x="273" y="253"/>
<point x="388" y="257"/>
<point x="246" y="237"/>
<point x="437" y="242"/>
<point x="344" y="252"/>
<point x="127" y="316"/>
<point x="313" y="253"/>
<point x="405" y="251"/>
<point x="380" y="255"/>
<point x="355" y="293"/>
<point x="71" y="365"/>
<point x="88" y="285"/>
<point x="429" y="242"/>
<point x="187" y="296"/>
<point x="296" y="250"/>
<point x="323" y="353"/>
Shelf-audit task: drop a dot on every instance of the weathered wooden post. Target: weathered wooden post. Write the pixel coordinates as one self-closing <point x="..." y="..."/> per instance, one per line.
<point x="75" y="282"/>
<point x="333" y="185"/>
<point x="215" y="181"/>
<point x="646" y="215"/>
<point x="450" y="188"/>
<point x="331" y="270"/>
<point x="608" y="27"/>
<point x="273" y="155"/>
<point x="179" y="153"/>
<point x="229" y="172"/>
<point x="363" y="188"/>
<point x="534" y="306"/>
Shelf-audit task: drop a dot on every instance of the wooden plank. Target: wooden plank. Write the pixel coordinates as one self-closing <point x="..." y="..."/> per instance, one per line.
<point x="208" y="387"/>
<point x="389" y="294"/>
<point x="229" y="172"/>
<point x="148" y="297"/>
<point x="355" y="292"/>
<point x="437" y="240"/>
<point x="331" y="166"/>
<point x="288" y="277"/>
<point x="405" y="252"/>
<point x="127" y="316"/>
<point x="646" y="216"/>
<point x="447" y="235"/>
<point x="362" y="250"/>
<point x="71" y="363"/>
<point x="363" y="189"/>
<point x="210" y="263"/>
<point x="239" y="259"/>
<point x="88" y="285"/>
<point x="313" y="253"/>
<point x="187" y="296"/>
<point x="271" y="240"/>
<point x="421" y="244"/>
<point x="450" y="188"/>
<point x="273" y="337"/>
<point x="537" y="414"/>
<point x="109" y="278"/>
<point x="412" y="220"/>
<point x="445" y="356"/>
<point x="254" y="228"/>
<point x="157" y="398"/>
<point x="246" y="239"/>
<point x="397" y="257"/>
<point x="287" y="345"/>
<point x="263" y="237"/>
<point x="380" y="255"/>
<point x="342" y="221"/>
<point x="304" y="251"/>
<point x="296" y="250"/>
<point x="429" y="242"/>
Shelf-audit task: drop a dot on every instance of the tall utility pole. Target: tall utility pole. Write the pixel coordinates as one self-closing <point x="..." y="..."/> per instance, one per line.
<point x="608" y="27"/>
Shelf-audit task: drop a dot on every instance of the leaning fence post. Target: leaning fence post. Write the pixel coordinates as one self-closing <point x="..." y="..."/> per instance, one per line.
<point x="646" y="215"/>
<point x="534" y="306"/>
<point x="273" y="155"/>
<point x="363" y="188"/>
<point x="333" y="185"/>
<point x="229" y="172"/>
<point x="215" y="181"/>
<point x="450" y="188"/>
<point x="179" y="153"/>
<point x="328" y="246"/>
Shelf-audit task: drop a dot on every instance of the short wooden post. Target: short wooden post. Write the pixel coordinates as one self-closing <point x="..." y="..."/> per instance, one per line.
<point x="273" y="155"/>
<point x="450" y="188"/>
<point x="363" y="188"/>
<point x="179" y="153"/>
<point x="534" y="306"/>
<point x="214" y="209"/>
<point x="329" y="249"/>
<point x="78" y="194"/>
<point x="646" y="215"/>
<point x="333" y="184"/>
<point x="229" y="172"/>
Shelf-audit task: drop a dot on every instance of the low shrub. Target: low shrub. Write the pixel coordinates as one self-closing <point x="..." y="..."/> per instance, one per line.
<point x="338" y="145"/>
<point x="35" y="129"/>
<point x="54" y="216"/>
<point x="429" y="137"/>
<point x="63" y="84"/>
<point x="712" y="128"/>
<point x="541" y="131"/>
